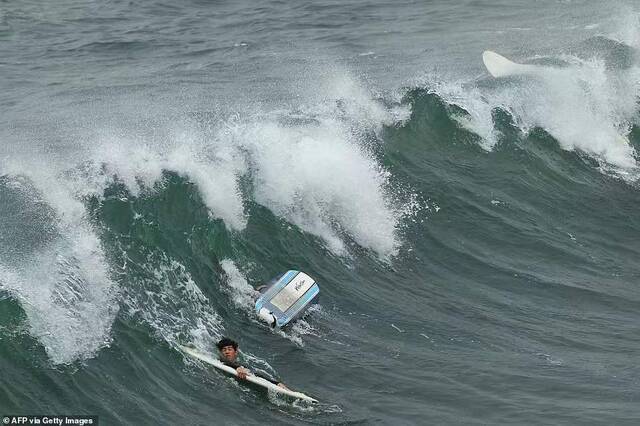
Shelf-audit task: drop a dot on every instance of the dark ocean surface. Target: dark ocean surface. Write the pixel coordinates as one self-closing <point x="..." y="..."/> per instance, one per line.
<point x="476" y="240"/>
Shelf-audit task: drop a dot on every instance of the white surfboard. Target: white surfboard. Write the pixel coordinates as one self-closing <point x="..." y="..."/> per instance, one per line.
<point x="499" y="66"/>
<point x="250" y="377"/>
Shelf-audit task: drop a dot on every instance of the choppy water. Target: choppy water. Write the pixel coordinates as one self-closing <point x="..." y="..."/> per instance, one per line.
<point x="475" y="239"/>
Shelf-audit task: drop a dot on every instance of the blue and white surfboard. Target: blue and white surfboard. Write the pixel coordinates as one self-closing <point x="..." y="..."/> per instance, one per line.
<point x="287" y="298"/>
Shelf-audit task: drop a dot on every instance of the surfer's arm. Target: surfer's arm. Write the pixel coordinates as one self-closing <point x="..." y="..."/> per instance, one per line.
<point x="242" y="372"/>
<point x="270" y="379"/>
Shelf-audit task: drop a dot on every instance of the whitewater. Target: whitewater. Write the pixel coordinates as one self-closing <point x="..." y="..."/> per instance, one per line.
<point x="475" y="237"/>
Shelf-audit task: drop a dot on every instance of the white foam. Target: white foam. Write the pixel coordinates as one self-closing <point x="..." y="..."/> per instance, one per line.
<point x="354" y="101"/>
<point x="242" y="293"/>
<point x="64" y="287"/>
<point x="585" y="106"/>
<point x="479" y="119"/>
<point x="140" y="167"/>
<point x="318" y="178"/>
<point x="314" y="165"/>
<point x="161" y="293"/>
<point x="318" y="174"/>
<point x="627" y="28"/>
<point x="300" y="328"/>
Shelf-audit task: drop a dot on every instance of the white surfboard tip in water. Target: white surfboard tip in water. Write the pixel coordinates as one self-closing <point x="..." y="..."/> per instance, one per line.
<point x="499" y="66"/>
<point x="250" y="378"/>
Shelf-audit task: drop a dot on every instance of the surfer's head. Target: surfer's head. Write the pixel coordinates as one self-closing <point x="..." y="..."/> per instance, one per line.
<point x="228" y="348"/>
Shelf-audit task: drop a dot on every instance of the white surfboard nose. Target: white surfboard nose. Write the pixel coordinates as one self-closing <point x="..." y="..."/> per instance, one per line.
<point x="499" y="66"/>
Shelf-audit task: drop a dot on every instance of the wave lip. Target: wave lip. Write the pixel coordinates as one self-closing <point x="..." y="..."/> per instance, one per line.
<point x="586" y="102"/>
<point x="316" y="178"/>
<point x="63" y="284"/>
<point x="314" y="166"/>
<point x="582" y="105"/>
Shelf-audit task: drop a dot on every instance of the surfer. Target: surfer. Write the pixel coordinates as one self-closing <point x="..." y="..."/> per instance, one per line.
<point x="229" y="356"/>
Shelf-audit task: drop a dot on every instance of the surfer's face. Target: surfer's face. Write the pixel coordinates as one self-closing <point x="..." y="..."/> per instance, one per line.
<point x="229" y="353"/>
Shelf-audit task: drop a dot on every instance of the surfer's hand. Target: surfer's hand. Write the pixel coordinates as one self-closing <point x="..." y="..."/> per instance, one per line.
<point x="282" y="385"/>
<point x="242" y="372"/>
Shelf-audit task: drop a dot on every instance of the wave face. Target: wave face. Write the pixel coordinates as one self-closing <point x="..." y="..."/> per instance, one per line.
<point x="475" y="239"/>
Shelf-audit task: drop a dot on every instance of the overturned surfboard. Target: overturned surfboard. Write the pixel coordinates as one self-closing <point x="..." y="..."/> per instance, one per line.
<point x="287" y="298"/>
<point x="208" y="359"/>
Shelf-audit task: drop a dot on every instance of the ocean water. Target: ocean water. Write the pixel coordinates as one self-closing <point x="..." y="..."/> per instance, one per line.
<point x="476" y="240"/>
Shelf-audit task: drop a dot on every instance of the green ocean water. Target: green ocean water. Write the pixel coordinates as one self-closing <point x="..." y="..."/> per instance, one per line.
<point x="475" y="239"/>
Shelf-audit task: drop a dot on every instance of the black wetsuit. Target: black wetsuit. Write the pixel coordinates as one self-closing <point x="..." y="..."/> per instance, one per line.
<point x="235" y="365"/>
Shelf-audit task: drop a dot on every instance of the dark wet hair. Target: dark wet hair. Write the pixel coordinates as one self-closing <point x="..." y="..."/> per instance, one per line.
<point x="227" y="342"/>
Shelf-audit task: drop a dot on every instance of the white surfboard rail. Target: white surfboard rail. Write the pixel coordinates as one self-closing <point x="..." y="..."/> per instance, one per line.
<point x="250" y="377"/>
